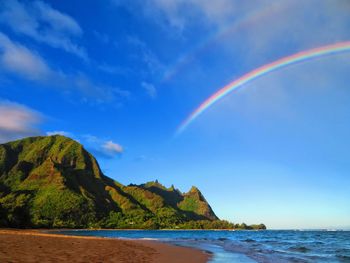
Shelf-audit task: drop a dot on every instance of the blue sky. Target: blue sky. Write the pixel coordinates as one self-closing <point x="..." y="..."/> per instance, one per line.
<point x="120" y="76"/>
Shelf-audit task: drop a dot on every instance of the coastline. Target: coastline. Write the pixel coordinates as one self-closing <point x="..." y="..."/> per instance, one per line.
<point x="36" y="246"/>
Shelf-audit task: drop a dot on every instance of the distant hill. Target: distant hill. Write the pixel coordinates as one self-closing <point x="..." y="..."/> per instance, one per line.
<point x="53" y="181"/>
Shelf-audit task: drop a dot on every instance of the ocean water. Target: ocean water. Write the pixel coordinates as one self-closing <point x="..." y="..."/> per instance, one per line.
<point x="247" y="246"/>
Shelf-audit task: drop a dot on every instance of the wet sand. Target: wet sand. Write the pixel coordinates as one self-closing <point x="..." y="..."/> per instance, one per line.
<point x="34" y="246"/>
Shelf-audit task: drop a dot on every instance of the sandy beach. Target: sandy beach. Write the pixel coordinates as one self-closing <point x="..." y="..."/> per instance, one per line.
<point x="34" y="246"/>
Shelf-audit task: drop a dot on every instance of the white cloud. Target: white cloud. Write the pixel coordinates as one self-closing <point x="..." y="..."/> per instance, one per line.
<point x="112" y="148"/>
<point x="57" y="20"/>
<point x="63" y="133"/>
<point x="213" y="11"/>
<point x="150" y="89"/>
<point x="98" y="146"/>
<point x="179" y="13"/>
<point x="217" y="11"/>
<point x="300" y="26"/>
<point x="43" y="23"/>
<point x="102" y="147"/>
<point x="17" y="121"/>
<point x="171" y="9"/>
<point x="148" y="57"/>
<point x="90" y="138"/>
<point x="91" y="90"/>
<point x="18" y="59"/>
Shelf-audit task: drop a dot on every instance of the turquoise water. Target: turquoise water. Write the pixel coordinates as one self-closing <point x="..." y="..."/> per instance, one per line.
<point x="247" y="246"/>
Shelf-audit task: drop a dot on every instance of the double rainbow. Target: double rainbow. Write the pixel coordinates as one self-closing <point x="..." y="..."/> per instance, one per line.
<point x="247" y="20"/>
<point x="261" y="71"/>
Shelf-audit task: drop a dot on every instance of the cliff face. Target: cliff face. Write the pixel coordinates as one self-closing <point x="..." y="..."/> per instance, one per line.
<point x="194" y="201"/>
<point x="54" y="182"/>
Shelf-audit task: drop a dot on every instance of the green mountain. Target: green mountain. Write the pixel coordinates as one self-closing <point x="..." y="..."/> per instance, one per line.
<point x="54" y="182"/>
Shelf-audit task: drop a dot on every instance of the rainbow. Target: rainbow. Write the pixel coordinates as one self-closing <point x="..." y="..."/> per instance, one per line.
<point x="261" y="71"/>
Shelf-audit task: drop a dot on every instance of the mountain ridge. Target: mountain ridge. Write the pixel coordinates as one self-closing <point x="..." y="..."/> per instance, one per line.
<point x="48" y="177"/>
<point x="54" y="182"/>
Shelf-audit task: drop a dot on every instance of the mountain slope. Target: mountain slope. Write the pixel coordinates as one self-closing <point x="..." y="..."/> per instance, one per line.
<point x="53" y="181"/>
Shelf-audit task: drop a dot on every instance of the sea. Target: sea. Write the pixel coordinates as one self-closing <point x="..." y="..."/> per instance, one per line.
<point x="246" y="246"/>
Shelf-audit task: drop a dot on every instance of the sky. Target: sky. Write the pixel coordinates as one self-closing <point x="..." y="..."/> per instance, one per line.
<point x="120" y="77"/>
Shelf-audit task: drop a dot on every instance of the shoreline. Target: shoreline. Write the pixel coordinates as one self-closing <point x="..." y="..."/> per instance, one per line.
<point x="131" y="229"/>
<point x="33" y="245"/>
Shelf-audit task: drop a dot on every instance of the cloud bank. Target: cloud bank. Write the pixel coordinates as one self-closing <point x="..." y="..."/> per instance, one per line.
<point x="18" y="59"/>
<point x="21" y="61"/>
<point x="44" y="24"/>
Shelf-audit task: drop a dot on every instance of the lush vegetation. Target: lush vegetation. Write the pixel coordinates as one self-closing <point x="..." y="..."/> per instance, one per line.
<point x="53" y="182"/>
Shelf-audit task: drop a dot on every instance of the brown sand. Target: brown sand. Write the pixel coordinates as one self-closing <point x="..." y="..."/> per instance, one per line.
<point x="34" y="246"/>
